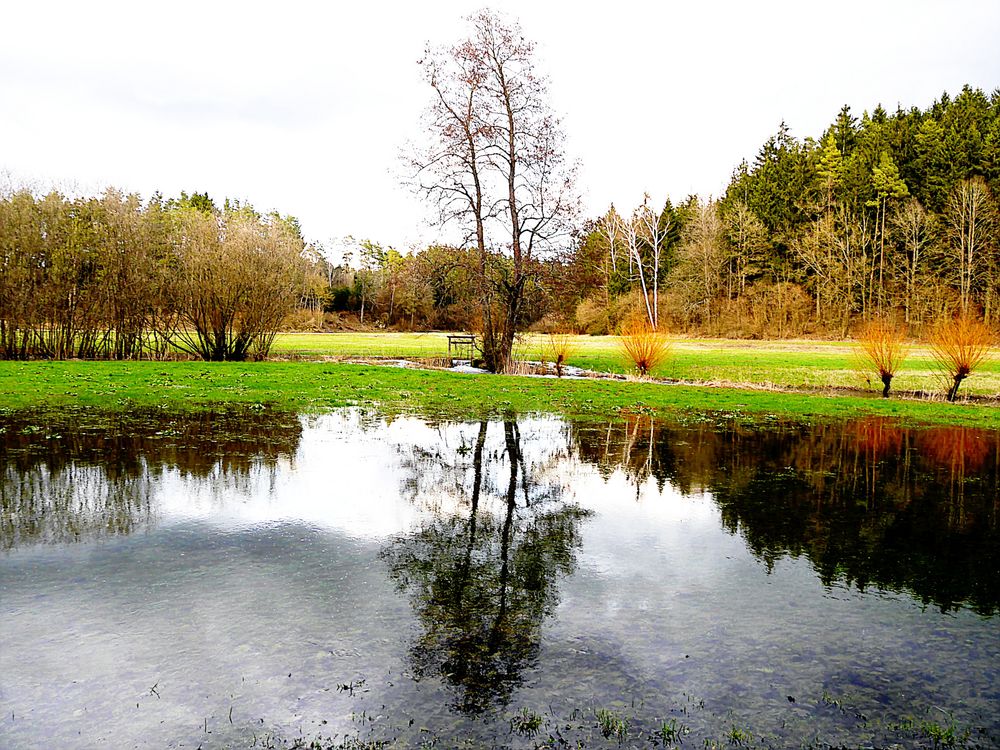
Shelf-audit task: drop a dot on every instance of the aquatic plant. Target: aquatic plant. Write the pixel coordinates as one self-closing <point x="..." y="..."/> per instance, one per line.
<point x="526" y="722"/>
<point x="670" y="732"/>
<point x="739" y="737"/>
<point x="611" y="724"/>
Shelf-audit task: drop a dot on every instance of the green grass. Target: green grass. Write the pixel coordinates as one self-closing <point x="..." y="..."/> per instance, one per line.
<point x="799" y="364"/>
<point x="317" y="386"/>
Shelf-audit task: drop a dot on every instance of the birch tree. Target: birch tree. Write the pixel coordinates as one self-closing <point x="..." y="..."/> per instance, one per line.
<point x="641" y="239"/>
<point x="972" y="225"/>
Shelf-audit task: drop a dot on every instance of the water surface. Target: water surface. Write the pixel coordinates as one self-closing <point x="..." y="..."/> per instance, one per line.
<point x="251" y="577"/>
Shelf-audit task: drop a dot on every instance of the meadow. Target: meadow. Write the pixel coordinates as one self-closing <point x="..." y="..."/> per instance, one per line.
<point x="798" y="364"/>
<point x="314" y="387"/>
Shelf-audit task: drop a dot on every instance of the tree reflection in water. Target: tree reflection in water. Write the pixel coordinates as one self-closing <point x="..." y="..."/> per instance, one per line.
<point x="79" y="476"/>
<point x="868" y="502"/>
<point x="483" y="578"/>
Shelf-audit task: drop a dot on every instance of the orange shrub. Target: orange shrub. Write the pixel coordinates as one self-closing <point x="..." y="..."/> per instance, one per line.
<point x="560" y="347"/>
<point x="882" y="346"/>
<point x="960" y="345"/>
<point x="644" y="346"/>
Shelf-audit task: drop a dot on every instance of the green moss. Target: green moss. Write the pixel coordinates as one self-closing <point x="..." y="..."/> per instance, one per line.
<point x="315" y="386"/>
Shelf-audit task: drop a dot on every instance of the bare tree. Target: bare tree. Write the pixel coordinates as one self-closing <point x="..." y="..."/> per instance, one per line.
<point x="495" y="167"/>
<point x="837" y="250"/>
<point x="702" y="258"/>
<point x="236" y="276"/>
<point x="913" y="226"/>
<point x="642" y="239"/>
<point x="971" y="223"/>
<point x="747" y="239"/>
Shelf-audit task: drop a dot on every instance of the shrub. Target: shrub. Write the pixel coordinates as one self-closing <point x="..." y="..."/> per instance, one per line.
<point x="591" y="317"/>
<point x="560" y="347"/>
<point x="644" y="346"/>
<point x="882" y="347"/>
<point x="960" y="345"/>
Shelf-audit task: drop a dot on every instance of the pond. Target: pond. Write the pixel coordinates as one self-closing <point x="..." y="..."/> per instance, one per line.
<point x="259" y="579"/>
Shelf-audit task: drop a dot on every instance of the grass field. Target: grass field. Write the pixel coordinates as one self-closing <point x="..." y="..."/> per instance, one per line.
<point x="318" y="386"/>
<point x="796" y="364"/>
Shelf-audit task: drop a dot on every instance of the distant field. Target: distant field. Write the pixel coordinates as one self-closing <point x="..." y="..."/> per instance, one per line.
<point x="796" y="363"/>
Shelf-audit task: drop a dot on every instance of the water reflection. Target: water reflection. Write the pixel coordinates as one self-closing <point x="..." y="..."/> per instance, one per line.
<point x="77" y="476"/>
<point x="702" y="571"/>
<point x="483" y="576"/>
<point x="868" y="502"/>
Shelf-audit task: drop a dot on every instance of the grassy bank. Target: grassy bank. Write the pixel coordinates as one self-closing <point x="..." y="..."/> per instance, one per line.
<point x="799" y="364"/>
<point x="316" y="386"/>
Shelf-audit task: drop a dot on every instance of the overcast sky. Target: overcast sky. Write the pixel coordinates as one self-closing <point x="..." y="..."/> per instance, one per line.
<point x="304" y="107"/>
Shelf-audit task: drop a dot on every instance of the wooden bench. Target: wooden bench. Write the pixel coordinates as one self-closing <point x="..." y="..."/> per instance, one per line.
<point x="460" y="342"/>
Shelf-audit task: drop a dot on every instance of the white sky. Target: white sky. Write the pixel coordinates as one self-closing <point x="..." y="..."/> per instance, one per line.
<point x="304" y="107"/>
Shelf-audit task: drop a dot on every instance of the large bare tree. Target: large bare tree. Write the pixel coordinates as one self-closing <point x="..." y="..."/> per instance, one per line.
<point x="494" y="166"/>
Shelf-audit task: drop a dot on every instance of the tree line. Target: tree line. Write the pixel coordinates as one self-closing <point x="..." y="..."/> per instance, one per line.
<point x="886" y="216"/>
<point x="882" y="216"/>
<point x="114" y="277"/>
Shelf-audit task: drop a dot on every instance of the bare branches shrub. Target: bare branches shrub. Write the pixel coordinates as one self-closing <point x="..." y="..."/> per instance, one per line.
<point x="882" y="348"/>
<point x="644" y="346"/>
<point x="960" y="345"/>
<point x="560" y="348"/>
<point x="236" y="276"/>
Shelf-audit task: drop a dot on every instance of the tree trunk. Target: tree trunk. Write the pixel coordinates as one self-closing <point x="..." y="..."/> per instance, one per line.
<point x="953" y="391"/>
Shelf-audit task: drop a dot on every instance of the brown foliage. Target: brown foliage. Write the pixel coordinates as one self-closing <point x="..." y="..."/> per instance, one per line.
<point x="960" y="345"/>
<point x="236" y="277"/>
<point x="882" y="347"/>
<point x="494" y="166"/>
<point x="644" y="346"/>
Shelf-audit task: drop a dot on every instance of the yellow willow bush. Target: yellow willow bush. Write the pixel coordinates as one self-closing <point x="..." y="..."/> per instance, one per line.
<point x="960" y="345"/>
<point x="560" y="348"/>
<point x="645" y="347"/>
<point x="882" y="347"/>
